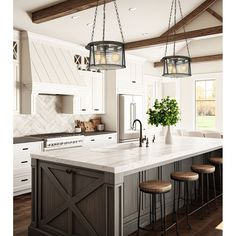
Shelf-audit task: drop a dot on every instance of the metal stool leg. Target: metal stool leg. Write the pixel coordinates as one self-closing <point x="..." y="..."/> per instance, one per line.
<point x="153" y="210"/>
<point x="202" y="199"/>
<point x="150" y="212"/>
<point x="160" y="196"/>
<point x="214" y="187"/>
<point x="207" y="191"/>
<point x="164" y="200"/>
<point x="187" y="201"/>
<point x="173" y="215"/>
<point x="179" y="183"/>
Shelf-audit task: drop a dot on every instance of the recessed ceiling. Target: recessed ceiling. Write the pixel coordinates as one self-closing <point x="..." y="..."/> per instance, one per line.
<point x="149" y="20"/>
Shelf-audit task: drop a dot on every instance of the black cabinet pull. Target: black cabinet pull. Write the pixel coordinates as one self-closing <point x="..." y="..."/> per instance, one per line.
<point x="109" y="137"/>
<point x="24" y="161"/>
<point x="24" y="180"/>
<point x="83" y="109"/>
<point x="92" y="140"/>
<point x="25" y="149"/>
<point x="133" y="81"/>
<point x="96" y="109"/>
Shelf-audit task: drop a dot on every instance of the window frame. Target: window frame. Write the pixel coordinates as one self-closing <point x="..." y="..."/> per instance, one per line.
<point x="195" y="101"/>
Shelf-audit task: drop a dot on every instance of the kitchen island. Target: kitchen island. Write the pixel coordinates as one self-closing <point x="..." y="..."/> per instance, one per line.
<point x="94" y="191"/>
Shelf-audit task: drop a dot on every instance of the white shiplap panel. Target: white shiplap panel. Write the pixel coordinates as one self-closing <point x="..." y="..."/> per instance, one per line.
<point x="70" y="64"/>
<point x="69" y="56"/>
<point x="59" y="70"/>
<point x="36" y="59"/>
<point x="61" y="60"/>
<point x="53" y="78"/>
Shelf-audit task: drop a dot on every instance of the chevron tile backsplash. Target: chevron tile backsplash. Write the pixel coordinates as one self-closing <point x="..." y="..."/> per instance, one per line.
<point x="48" y="118"/>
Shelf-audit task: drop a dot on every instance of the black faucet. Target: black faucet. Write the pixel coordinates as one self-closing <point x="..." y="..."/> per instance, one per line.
<point x="140" y="133"/>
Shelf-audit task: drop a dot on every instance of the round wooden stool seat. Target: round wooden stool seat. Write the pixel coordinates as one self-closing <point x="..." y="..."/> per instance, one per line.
<point x="155" y="186"/>
<point x="184" y="176"/>
<point x="216" y="160"/>
<point x="202" y="168"/>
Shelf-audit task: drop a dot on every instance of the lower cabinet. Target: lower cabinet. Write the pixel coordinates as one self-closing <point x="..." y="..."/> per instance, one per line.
<point x="100" y="140"/>
<point x="22" y="166"/>
<point x="70" y="201"/>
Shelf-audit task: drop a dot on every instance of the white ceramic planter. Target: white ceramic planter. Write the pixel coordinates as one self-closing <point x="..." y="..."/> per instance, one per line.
<point x="168" y="137"/>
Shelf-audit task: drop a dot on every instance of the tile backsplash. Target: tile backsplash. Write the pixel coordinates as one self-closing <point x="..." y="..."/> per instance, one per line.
<point x="48" y="118"/>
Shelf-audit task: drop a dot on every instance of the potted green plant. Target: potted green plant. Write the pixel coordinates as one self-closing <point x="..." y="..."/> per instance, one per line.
<point x="166" y="113"/>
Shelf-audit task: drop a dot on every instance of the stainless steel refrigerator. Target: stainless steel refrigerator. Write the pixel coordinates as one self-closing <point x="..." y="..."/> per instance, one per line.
<point x="130" y="108"/>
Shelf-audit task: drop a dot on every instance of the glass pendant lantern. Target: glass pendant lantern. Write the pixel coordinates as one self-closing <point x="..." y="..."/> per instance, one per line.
<point x="106" y="55"/>
<point x="176" y="66"/>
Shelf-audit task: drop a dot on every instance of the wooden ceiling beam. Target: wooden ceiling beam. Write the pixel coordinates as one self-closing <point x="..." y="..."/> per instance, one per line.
<point x="177" y="37"/>
<point x="216" y="15"/>
<point x="190" y="17"/>
<point x="63" y="9"/>
<point x="198" y="59"/>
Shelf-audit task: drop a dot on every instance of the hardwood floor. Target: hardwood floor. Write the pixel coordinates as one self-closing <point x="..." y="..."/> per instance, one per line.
<point x="206" y="227"/>
<point x="22" y="214"/>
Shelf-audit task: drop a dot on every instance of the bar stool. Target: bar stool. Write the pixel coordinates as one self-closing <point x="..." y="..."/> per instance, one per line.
<point x="203" y="169"/>
<point x="186" y="178"/>
<point x="218" y="161"/>
<point x="154" y="187"/>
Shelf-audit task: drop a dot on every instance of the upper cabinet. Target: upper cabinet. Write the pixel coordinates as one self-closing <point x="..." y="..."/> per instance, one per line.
<point x="16" y="72"/>
<point x="130" y="79"/>
<point x="90" y="100"/>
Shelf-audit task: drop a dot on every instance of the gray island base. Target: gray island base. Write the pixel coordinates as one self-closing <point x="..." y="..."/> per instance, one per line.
<point x="82" y="191"/>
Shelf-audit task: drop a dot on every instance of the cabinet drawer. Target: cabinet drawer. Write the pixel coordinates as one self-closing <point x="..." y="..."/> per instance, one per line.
<point x="23" y="161"/>
<point x="27" y="148"/>
<point x="100" y="140"/>
<point x="22" y="182"/>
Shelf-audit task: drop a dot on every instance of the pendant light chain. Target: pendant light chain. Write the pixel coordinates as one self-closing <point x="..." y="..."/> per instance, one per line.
<point x="104" y="20"/>
<point x="119" y="22"/>
<point x="94" y="22"/>
<point x="174" y="30"/>
<point x="186" y="41"/>
<point x="171" y="10"/>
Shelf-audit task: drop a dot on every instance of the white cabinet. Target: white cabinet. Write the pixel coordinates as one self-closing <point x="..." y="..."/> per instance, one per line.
<point x="98" y="93"/>
<point x="91" y="98"/>
<point x="22" y="166"/>
<point x="16" y="73"/>
<point x="130" y="79"/>
<point x="100" y="140"/>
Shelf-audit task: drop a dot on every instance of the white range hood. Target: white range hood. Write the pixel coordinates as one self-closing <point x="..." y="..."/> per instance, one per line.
<point x="48" y="67"/>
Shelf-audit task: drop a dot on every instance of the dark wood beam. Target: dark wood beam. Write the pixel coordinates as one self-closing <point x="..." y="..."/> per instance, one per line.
<point x="198" y="59"/>
<point x="216" y="15"/>
<point x="177" y="37"/>
<point x="191" y="16"/>
<point x="63" y="9"/>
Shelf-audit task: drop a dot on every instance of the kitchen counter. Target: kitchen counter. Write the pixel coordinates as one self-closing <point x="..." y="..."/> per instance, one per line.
<point x="129" y="157"/>
<point x="96" y="190"/>
<point x="25" y="139"/>
<point x="28" y="138"/>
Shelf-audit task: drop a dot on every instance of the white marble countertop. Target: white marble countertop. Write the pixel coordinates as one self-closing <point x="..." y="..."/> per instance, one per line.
<point x="128" y="157"/>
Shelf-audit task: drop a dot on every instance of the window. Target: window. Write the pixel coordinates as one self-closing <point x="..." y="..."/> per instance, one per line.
<point x="205" y="105"/>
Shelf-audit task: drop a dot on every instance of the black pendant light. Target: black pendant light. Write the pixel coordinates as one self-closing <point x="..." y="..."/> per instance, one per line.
<point x="106" y="55"/>
<point x="176" y="66"/>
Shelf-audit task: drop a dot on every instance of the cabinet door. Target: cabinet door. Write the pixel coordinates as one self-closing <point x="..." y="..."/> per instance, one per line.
<point x="16" y="88"/>
<point x="86" y="96"/>
<point x="98" y="92"/>
<point x="139" y="75"/>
